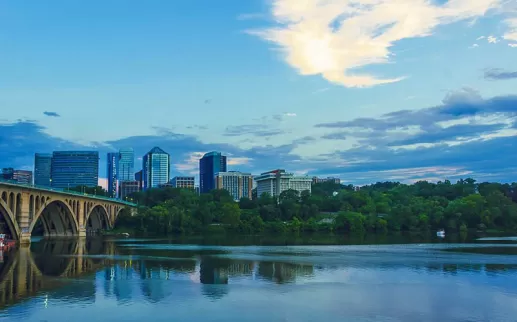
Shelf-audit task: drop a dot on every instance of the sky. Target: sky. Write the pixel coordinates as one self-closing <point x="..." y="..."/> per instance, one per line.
<point x="363" y="90"/>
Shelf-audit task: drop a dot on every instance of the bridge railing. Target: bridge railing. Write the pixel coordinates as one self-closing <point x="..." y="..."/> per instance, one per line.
<point x="69" y="192"/>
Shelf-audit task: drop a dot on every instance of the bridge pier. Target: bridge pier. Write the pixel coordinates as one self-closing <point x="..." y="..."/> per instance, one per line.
<point x="25" y="238"/>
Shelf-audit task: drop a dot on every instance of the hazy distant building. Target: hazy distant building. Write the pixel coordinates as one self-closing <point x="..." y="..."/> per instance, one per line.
<point x="277" y="181"/>
<point x="210" y="164"/>
<point x="112" y="172"/>
<point x="17" y="176"/>
<point x="75" y="168"/>
<point x="183" y="182"/>
<point x="328" y="179"/>
<point x="238" y="184"/>
<point x="156" y="168"/>
<point x="126" y="188"/>
<point x="42" y="169"/>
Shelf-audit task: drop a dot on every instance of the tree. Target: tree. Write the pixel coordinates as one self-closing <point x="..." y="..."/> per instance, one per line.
<point x="289" y="195"/>
<point x="231" y="214"/>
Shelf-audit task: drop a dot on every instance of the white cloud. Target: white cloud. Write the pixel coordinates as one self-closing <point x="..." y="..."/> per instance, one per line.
<point x="511" y="34"/>
<point x="480" y="38"/>
<point x="191" y="164"/>
<point x="290" y="114"/>
<point x="238" y="161"/>
<point x="492" y="40"/>
<point x="333" y="37"/>
<point x="474" y="46"/>
<point x="513" y="45"/>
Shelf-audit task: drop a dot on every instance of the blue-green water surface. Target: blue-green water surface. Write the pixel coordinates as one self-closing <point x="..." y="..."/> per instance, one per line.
<point x="161" y="280"/>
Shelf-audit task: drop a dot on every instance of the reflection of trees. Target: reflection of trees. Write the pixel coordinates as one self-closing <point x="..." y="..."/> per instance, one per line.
<point x="284" y="272"/>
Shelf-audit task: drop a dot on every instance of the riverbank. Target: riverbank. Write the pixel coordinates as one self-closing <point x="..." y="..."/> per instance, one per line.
<point x="315" y="238"/>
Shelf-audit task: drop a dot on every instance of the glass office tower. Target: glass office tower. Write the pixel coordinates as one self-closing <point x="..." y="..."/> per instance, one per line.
<point x="112" y="171"/>
<point x="210" y="164"/>
<point x="156" y="168"/>
<point x="42" y="169"/>
<point x="126" y="165"/>
<point x="75" y="168"/>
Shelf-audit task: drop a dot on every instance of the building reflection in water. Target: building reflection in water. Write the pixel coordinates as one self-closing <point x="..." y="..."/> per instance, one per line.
<point x="81" y="270"/>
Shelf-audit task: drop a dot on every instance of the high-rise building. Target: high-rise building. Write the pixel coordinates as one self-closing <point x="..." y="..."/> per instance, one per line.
<point x="316" y="180"/>
<point x="237" y="183"/>
<point x="75" y="168"/>
<point x="277" y="181"/>
<point x="139" y="177"/>
<point x="126" y="188"/>
<point x="210" y="164"/>
<point x="156" y="168"/>
<point x="112" y="172"/>
<point x="183" y="182"/>
<point x="126" y="165"/>
<point x="18" y="176"/>
<point x="42" y="169"/>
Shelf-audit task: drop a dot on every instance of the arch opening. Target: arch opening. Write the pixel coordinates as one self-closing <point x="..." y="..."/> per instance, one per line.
<point x="56" y="219"/>
<point x="8" y="225"/>
<point x="97" y="220"/>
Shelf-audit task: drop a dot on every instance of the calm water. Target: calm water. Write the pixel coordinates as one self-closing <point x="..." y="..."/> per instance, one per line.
<point x="161" y="280"/>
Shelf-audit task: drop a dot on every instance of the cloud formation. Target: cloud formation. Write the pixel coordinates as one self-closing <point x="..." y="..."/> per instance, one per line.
<point x="262" y="130"/>
<point x="332" y="38"/>
<point x="51" y="114"/>
<point x="466" y="135"/>
<point x="499" y="74"/>
<point x="456" y="105"/>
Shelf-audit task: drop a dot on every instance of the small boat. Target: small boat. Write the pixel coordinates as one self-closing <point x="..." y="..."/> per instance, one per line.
<point x="440" y="233"/>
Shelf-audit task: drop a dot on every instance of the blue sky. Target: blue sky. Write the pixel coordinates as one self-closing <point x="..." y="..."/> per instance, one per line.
<point x="366" y="90"/>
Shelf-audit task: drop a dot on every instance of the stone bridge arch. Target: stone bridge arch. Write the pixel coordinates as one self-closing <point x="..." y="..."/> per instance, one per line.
<point x="58" y="218"/>
<point x="10" y="220"/>
<point x="98" y="217"/>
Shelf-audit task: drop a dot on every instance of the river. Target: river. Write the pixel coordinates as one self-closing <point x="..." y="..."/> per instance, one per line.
<point x="256" y="279"/>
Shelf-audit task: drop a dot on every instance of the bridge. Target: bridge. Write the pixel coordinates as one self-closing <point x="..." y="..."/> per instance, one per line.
<point x="62" y="213"/>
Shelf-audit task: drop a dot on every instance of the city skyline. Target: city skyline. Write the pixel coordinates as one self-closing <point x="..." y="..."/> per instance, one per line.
<point x="327" y="88"/>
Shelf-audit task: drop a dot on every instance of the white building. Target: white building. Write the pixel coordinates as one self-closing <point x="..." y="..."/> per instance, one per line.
<point x="277" y="181"/>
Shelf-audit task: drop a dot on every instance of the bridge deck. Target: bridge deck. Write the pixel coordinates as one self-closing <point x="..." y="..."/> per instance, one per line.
<point x="66" y="192"/>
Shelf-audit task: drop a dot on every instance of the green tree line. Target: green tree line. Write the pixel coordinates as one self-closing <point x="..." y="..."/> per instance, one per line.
<point x="381" y="207"/>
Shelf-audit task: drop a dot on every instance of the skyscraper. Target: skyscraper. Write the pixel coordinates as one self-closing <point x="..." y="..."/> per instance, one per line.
<point x="75" y="168"/>
<point x="156" y="168"/>
<point x="42" y="169"/>
<point x="210" y="164"/>
<point x="126" y="165"/>
<point x="112" y="172"/>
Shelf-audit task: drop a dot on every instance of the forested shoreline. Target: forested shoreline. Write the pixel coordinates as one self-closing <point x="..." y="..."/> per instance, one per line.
<point x="377" y="208"/>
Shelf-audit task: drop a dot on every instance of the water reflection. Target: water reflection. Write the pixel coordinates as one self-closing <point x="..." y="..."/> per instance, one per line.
<point x="89" y="272"/>
<point x="48" y="266"/>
